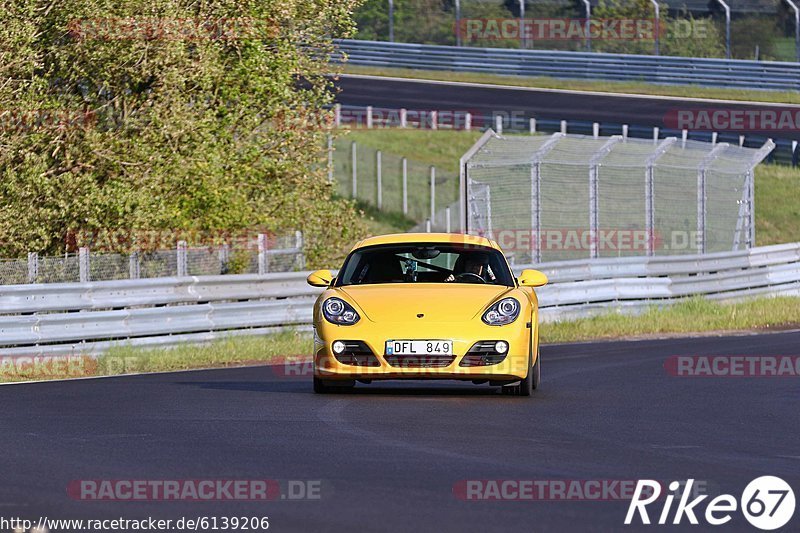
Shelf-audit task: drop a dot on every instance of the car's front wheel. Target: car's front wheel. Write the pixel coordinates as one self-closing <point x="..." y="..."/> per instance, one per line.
<point x="531" y="382"/>
<point x="321" y="387"/>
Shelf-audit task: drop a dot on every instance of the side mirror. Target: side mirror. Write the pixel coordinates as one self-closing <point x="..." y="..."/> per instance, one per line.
<point x="320" y="278"/>
<point x="532" y="278"/>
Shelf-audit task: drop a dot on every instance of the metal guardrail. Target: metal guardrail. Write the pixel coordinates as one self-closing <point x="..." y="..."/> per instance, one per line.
<point x="88" y="318"/>
<point x="729" y="73"/>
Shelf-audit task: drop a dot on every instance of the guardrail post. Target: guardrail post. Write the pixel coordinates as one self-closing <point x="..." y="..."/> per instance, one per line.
<point x="224" y="255"/>
<point x="404" y="118"/>
<point x="182" y="259"/>
<point x="134" y="268"/>
<point x="33" y="267"/>
<point x="741" y="140"/>
<point x="684" y="136"/>
<point x="378" y="184"/>
<point x="468" y="122"/>
<point x="498" y="124"/>
<point x="713" y="137"/>
<point x="655" y="135"/>
<point x="625" y="132"/>
<point x="369" y="117"/>
<point x="532" y="126"/>
<point x="354" y="163"/>
<point x="83" y="264"/>
<point x="563" y="126"/>
<point x="433" y="193"/>
<point x="595" y="130"/>
<point x="405" y="186"/>
<point x="263" y="256"/>
<point x="301" y="256"/>
<point x="434" y="120"/>
<point x="337" y="115"/>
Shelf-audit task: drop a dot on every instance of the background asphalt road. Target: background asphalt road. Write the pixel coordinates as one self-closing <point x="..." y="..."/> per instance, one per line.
<point x="389" y="455"/>
<point x="549" y="104"/>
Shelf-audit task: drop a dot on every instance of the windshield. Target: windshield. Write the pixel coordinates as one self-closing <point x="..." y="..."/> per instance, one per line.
<point x="425" y="263"/>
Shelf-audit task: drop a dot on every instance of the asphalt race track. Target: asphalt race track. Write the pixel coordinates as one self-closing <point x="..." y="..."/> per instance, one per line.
<point x="551" y="104"/>
<point x="388" y="456"/>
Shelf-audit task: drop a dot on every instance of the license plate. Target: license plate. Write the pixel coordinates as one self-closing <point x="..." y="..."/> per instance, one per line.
<point x="419" y="347"/>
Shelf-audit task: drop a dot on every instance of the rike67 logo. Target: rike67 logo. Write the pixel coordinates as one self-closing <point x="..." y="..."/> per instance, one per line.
<point x="767" y="503"/>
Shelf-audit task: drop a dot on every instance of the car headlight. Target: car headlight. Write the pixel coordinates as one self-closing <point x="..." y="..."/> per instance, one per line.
<point x="503" y="312"/>
<point x="337" y="311"/>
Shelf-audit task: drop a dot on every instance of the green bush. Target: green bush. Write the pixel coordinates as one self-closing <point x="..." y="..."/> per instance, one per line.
<point x="176" y="131"/>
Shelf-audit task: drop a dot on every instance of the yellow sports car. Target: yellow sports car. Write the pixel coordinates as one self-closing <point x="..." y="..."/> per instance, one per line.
<point x="427" y="306"/>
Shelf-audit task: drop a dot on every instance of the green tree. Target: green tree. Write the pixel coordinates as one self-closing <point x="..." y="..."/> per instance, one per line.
<point x="168" y="114"/>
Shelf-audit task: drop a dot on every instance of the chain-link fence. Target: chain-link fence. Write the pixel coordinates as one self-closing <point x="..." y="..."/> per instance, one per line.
<point x="549" y="198"/>
<point x="266" y="253"/>
<point x="392" y="183"/>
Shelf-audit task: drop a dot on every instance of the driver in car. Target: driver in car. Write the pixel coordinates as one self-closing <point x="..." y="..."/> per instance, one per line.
<point x="475" y="264"/>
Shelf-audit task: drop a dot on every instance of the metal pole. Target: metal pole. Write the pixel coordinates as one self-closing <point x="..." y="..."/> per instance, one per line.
<point x="458" y="23"/>
<point x="182" y="259"/>
<point x="355" y="167"/>
<point x="447" y="218"/>
<point x="649" y="195"/>
<point x="33" y="267"/>
<point x="378" y="163"/>
<point x="796" y="28"/>
<point x="658" y="24"/>
<point x="433" y="194"/>
<point x="588" y="8"/>
<point x="522" y="22"/>
<point x="263" y="262"/>
<point x="727" y="28"/>
<point x="405" y="186"/>
<point x="83" y="264"/>
<point x="391" y="21"/>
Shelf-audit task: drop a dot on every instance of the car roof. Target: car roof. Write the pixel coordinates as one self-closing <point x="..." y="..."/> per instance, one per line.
<point x="409" y="238"/>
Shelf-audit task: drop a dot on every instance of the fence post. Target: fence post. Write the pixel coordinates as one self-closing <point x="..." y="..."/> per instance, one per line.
<point x="134" y="268"/>
<point x="684" y="136"/>
<point x="434" y="120"/>
<point x="182" y="259"/>
<point x="714" y="137"/>
<point x="447" y="218"/>
<point x="379" y="184"/>
<point x="354" y="161"/>
<point x="468" y="122"/>
<point x="369" y="117"/>
<point x="433" y="193"/>
<point x="596" y="130"/>
<point x="563" y="126"/>
<point x="224" y="258"/>
<point x="330" y="158"/>
<point x="298" y="244"/>
<point x="83" y="264"/>
<point x="427" y="225"/>
<point x="655" y="134"/>
<point x="337" y="115"/>
<point x="625" y="132"/>
<point x="33" y="267"/>
<point x="403" y="117"/>
<point x="405" y="186"/>
<point x="532" y="126"/>
<point x="498" y="124"/>
<point x="263" y="257"/>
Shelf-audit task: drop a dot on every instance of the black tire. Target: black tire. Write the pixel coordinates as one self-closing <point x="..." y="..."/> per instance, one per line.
<point x="537" y="372"/>
<point x="320" y="387"/>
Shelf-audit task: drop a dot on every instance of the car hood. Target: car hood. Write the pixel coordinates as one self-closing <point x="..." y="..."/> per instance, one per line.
<point x="439" y="302"/>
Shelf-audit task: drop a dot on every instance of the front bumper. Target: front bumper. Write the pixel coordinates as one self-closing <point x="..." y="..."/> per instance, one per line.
<point x="513" y="367"/>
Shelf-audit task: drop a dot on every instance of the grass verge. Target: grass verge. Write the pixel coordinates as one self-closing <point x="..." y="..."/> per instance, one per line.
<point x="695" y="315"/>
<point x="685" y="91"/>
